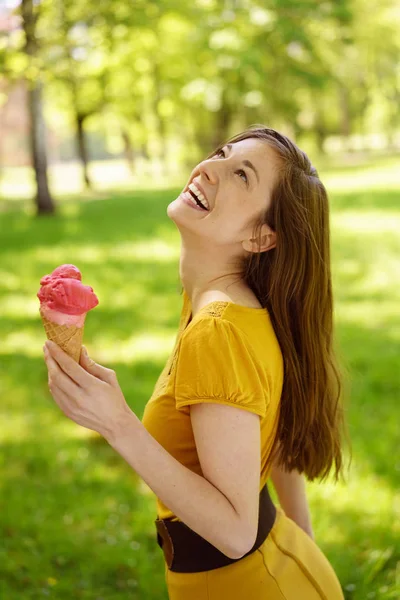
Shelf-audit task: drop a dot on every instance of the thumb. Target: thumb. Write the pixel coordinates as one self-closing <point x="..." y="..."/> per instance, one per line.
<point x="86" y="362"/>
<point x="95" y="369"/>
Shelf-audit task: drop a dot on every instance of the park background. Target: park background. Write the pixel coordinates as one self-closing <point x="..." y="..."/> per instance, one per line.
<point x="113" y="102"/>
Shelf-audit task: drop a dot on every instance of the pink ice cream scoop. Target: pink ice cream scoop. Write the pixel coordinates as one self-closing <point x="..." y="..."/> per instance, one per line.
<point x="67" y="271"/>
<point x="63" y="297"/>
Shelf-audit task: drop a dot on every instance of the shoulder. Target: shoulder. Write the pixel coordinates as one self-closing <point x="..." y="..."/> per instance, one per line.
<point x="217" y="360"/>
<point x="210" y="327"/>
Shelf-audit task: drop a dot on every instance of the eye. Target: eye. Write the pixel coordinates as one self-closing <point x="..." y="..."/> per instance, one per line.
<point x="242" y="174"/>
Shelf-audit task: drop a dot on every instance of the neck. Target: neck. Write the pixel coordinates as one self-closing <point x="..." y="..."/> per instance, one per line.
<point x="203" y="273"/>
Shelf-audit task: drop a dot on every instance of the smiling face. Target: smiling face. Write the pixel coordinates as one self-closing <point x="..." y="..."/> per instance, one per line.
<point x="236" y="185"/>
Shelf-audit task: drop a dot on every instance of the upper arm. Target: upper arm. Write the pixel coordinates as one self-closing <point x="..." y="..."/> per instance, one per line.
<point x="228" y="442"/>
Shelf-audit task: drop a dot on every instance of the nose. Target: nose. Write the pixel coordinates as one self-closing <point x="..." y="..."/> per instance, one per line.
<point x="208" y="171"/>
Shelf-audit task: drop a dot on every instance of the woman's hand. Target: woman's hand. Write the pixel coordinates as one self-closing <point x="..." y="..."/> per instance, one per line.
<point x="87" y="393"/>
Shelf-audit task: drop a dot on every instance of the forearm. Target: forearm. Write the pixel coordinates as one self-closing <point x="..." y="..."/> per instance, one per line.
<point x="291" y="490"/>
<point x="193" y="499"/>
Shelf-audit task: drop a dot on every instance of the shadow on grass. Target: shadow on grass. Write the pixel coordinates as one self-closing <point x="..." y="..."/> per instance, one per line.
<point x="132" y="216"/>
<point x="74" y="515"/>
<point x="373" y="390"/>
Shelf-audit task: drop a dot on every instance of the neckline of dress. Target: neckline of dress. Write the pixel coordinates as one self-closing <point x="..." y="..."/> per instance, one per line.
<point x="219" y="302"/>
<point x="228" y="302"/>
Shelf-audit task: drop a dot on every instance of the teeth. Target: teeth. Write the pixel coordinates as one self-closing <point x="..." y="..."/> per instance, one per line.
<point x="189" y="197"/>
<point x="195" y="190"/>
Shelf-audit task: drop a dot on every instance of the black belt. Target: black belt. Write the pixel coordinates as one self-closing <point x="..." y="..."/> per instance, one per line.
<point x="187" y="552"/>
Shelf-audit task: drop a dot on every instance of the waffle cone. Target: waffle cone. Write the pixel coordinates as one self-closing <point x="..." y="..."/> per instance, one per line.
<point x="69" y="338"/>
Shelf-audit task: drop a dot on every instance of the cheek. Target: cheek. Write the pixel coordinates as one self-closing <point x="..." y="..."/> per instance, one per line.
<point x="230" y="199"/>
<point x="230" y="221"/>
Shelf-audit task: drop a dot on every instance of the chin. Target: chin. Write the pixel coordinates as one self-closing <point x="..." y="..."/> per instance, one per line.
<point x="174" y="210"/>
<point x="171" y="208"/>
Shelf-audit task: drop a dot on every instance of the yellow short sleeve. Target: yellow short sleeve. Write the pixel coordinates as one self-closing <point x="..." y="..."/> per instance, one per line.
<point x="216" y="363"/>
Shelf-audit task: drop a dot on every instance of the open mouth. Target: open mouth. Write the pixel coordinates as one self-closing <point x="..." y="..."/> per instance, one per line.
<point x="197" y="200"/>
<point x="198" y="196"/>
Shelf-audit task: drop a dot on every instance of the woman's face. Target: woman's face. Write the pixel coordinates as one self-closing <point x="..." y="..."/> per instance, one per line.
<point x="236" y="184"/>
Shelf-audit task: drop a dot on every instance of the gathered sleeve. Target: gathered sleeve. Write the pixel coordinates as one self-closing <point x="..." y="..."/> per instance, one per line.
<point x="217" y="364"/>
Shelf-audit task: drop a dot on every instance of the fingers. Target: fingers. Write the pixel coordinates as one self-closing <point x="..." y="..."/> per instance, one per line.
<point x="62" y="399"/>
<point x="68" y="365"/>
<point x="89" y="362"/>
<point x="103" y="373"/>
<point x="58" y="378"/>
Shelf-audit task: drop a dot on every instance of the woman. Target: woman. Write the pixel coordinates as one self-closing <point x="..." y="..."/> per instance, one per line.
<point x="250" y="391"/>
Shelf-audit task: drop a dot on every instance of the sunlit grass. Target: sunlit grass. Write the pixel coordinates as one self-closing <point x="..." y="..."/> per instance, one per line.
<point x="76" y="521"/>
<point x="364" y="176"/>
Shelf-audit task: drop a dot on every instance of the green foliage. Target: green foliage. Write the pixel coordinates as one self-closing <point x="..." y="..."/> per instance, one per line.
<point x="206" y="69"/>
<point x="76" y="522"/>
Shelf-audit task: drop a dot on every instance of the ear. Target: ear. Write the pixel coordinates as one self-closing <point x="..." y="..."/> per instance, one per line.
<point x="267" y="241"/>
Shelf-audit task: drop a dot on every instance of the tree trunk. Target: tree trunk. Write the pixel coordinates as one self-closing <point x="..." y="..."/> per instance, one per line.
<point x="82" y="149"/>
<point x="222" y="121"/>
<point x="320" y="131"/>
<point x="160" y="122"/>
<point x="43" y="199"/>
<point x="344" y="104"/>
<point x="79" y="115"/>
<point x="393" y="118"/>
<point x="144" y="150"/>
<point x="128" y="150"/>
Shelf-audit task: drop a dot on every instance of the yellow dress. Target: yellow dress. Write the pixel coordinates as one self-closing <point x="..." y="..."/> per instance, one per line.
<point x="229" y="354"/>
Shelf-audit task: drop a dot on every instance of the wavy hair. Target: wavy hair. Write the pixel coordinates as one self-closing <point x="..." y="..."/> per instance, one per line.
<point x="293" y="281"/>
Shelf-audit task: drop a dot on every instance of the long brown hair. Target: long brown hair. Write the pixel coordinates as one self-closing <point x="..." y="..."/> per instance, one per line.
<point x="293" y="281"/>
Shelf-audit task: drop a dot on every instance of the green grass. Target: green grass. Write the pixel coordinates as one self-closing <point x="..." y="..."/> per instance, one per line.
<point x="76" y="521"/>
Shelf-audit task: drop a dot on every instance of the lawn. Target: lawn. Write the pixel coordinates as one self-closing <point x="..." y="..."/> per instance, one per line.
<point x="76" y="521"/>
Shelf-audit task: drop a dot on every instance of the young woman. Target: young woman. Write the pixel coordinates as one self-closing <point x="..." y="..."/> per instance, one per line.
<point x="250" y="392"/>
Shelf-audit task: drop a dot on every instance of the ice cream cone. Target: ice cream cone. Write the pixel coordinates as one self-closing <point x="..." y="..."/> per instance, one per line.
<point x="68" y="337"/>
<point x="64" y="304"/>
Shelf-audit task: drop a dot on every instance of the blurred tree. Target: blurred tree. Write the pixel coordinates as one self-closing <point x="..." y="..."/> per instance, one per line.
<point x="92" y="52"/>
<point x="77" y="61"/>
<point x="377" y="37"/>
<point x="159" y="74"/>
<point x="361" y="54"/>
<point x="29" y="13"/>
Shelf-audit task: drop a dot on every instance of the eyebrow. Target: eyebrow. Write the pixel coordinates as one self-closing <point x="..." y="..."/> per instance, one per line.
<point x="247" y="163"/>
